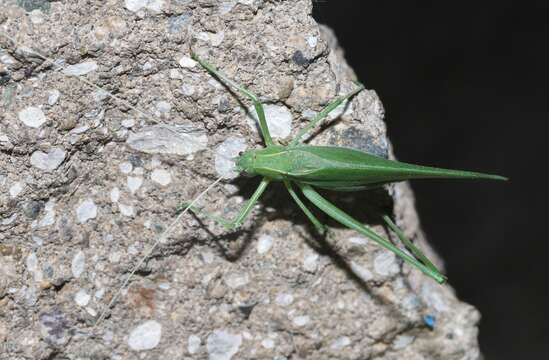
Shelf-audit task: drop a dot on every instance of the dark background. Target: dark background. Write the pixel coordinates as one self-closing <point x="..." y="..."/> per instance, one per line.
<point x="465" y="86"/>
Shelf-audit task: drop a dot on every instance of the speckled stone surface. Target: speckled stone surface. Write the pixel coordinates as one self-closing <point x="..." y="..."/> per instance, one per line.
<point x="88" y="183"/>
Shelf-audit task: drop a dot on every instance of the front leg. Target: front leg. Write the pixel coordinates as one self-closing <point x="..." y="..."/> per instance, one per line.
<point x="242" y="214"/>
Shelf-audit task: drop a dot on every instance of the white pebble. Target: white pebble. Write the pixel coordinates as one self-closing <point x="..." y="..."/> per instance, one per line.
<point x="385" y="264"/>
<point x="163" y="107"/>
<point x="115" y="194"/>
<point x="187" y="62"/>
<point x="134" y="183"/>
<point x="222" y="345"/>
<point x="363" y="273"/>
<point x="284" y="299"/>
<point x="193" y="344"/>
<point x="80" y="69"/>
<point x="340" y="343"/>
<point x="125" y="167"/>
<point x="357" y="240"/>
<point x="32" y="116"/>
<point x="53" y="96"/>
<point x="47" y="161"/>
<point x="33" y="267"/>
<point x="236" y="280"/>
<point x="402" y="341"/>
<point x="82" y="298"/>
<point x="146" y="336"/>
<point x="126" y="210"/>
<point x="166" y="139"/>
<point x="279" y="120"/>
<point x="301" y="320"/>
<point x="312" y="41"/>
<point x="161" y="176"/>
<point x="310" y="263"/>
<point x="78" y="264"/>
<point x="268" y="343"/>
<point x="264" y="244"/>
<point x="225" y="155"/>
<point x="86" y="210"/>
<point x="187" y="89"/>
<point x="217" y="38"/>
<point x="136" y="5"/>
<point x="16" y="189"/>
<point x="49" y="214"/>
<point x="128" y="123"/>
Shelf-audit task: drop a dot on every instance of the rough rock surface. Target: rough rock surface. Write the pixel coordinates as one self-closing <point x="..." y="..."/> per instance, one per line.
<point x="88" y="183"/>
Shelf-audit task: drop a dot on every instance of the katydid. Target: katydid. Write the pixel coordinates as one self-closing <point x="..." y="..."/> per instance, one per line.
<point x="331" y="168"/>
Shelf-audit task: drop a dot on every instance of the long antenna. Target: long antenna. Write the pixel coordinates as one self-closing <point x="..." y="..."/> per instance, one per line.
<point x="160" y="239"/>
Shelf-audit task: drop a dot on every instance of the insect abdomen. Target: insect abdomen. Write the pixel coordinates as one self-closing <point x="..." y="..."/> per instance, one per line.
<point x="345" y="169"/>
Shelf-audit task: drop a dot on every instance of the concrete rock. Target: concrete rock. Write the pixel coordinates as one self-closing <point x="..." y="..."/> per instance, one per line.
<point x="90" y="186"/>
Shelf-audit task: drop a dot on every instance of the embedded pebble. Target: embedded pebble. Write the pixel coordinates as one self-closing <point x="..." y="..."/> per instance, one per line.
<point x="16" y="189"/>
<point x="53" y="96"/>
<point x="236" y="280"/>
<point x="82" y="298"/>
<point x="310" y="263"/>
<point x="363" y="273"/>
<point x="86" y="210"/>
<point x="82" y="68"/>
<point x="226" y="7"/>
<point x="166" y="139"/>
<point x="187" y="62"/>
<point x="136" y="5"/>
<point x="187" y="89"/>
<point x="125" y="167"/>
<point x="340" y="343"/>
<point x="279" y="120"/>
<point x="78" y="264"/>
<point x="47" y="161"/>
<point x="128" y="123"/>
<point x="222" y="345"/>
<point x="284" y="299"/>
<point x="161" y="176"/>
<point x="402" y="341"/>
<point x="115" y="194"/>
<point x="134" y="183"/>
<point x="264" y="244"/>
<point x="357" y="240"/>
<point x="301" y="320"/>
<point x="312" y="41"/>
<point x="126" y="210"/>
<point x="225" y="155"/>
<point x="268" y="343"/>
<point x="145" y="336"/>
<point x="193" y="344"/>
<point x="49" y="214"/>
<point x="32" y="116"/>
<point x="163" y="107"/>
<point x="217" y="38"/>
<point x="33" y="267"/>
<point x="385" y="264"/>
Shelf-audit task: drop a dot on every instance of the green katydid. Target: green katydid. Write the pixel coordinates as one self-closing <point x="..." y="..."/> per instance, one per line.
<point x="328" y="167"/>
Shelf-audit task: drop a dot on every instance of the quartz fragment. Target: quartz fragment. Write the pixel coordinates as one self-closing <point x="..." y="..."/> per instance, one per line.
<point x="47" y="161"/>
<point x="168" y="139"/>
<point x="222" y="345"/>
<point x="32" y="116"/>
<point x="145" y="336"/>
